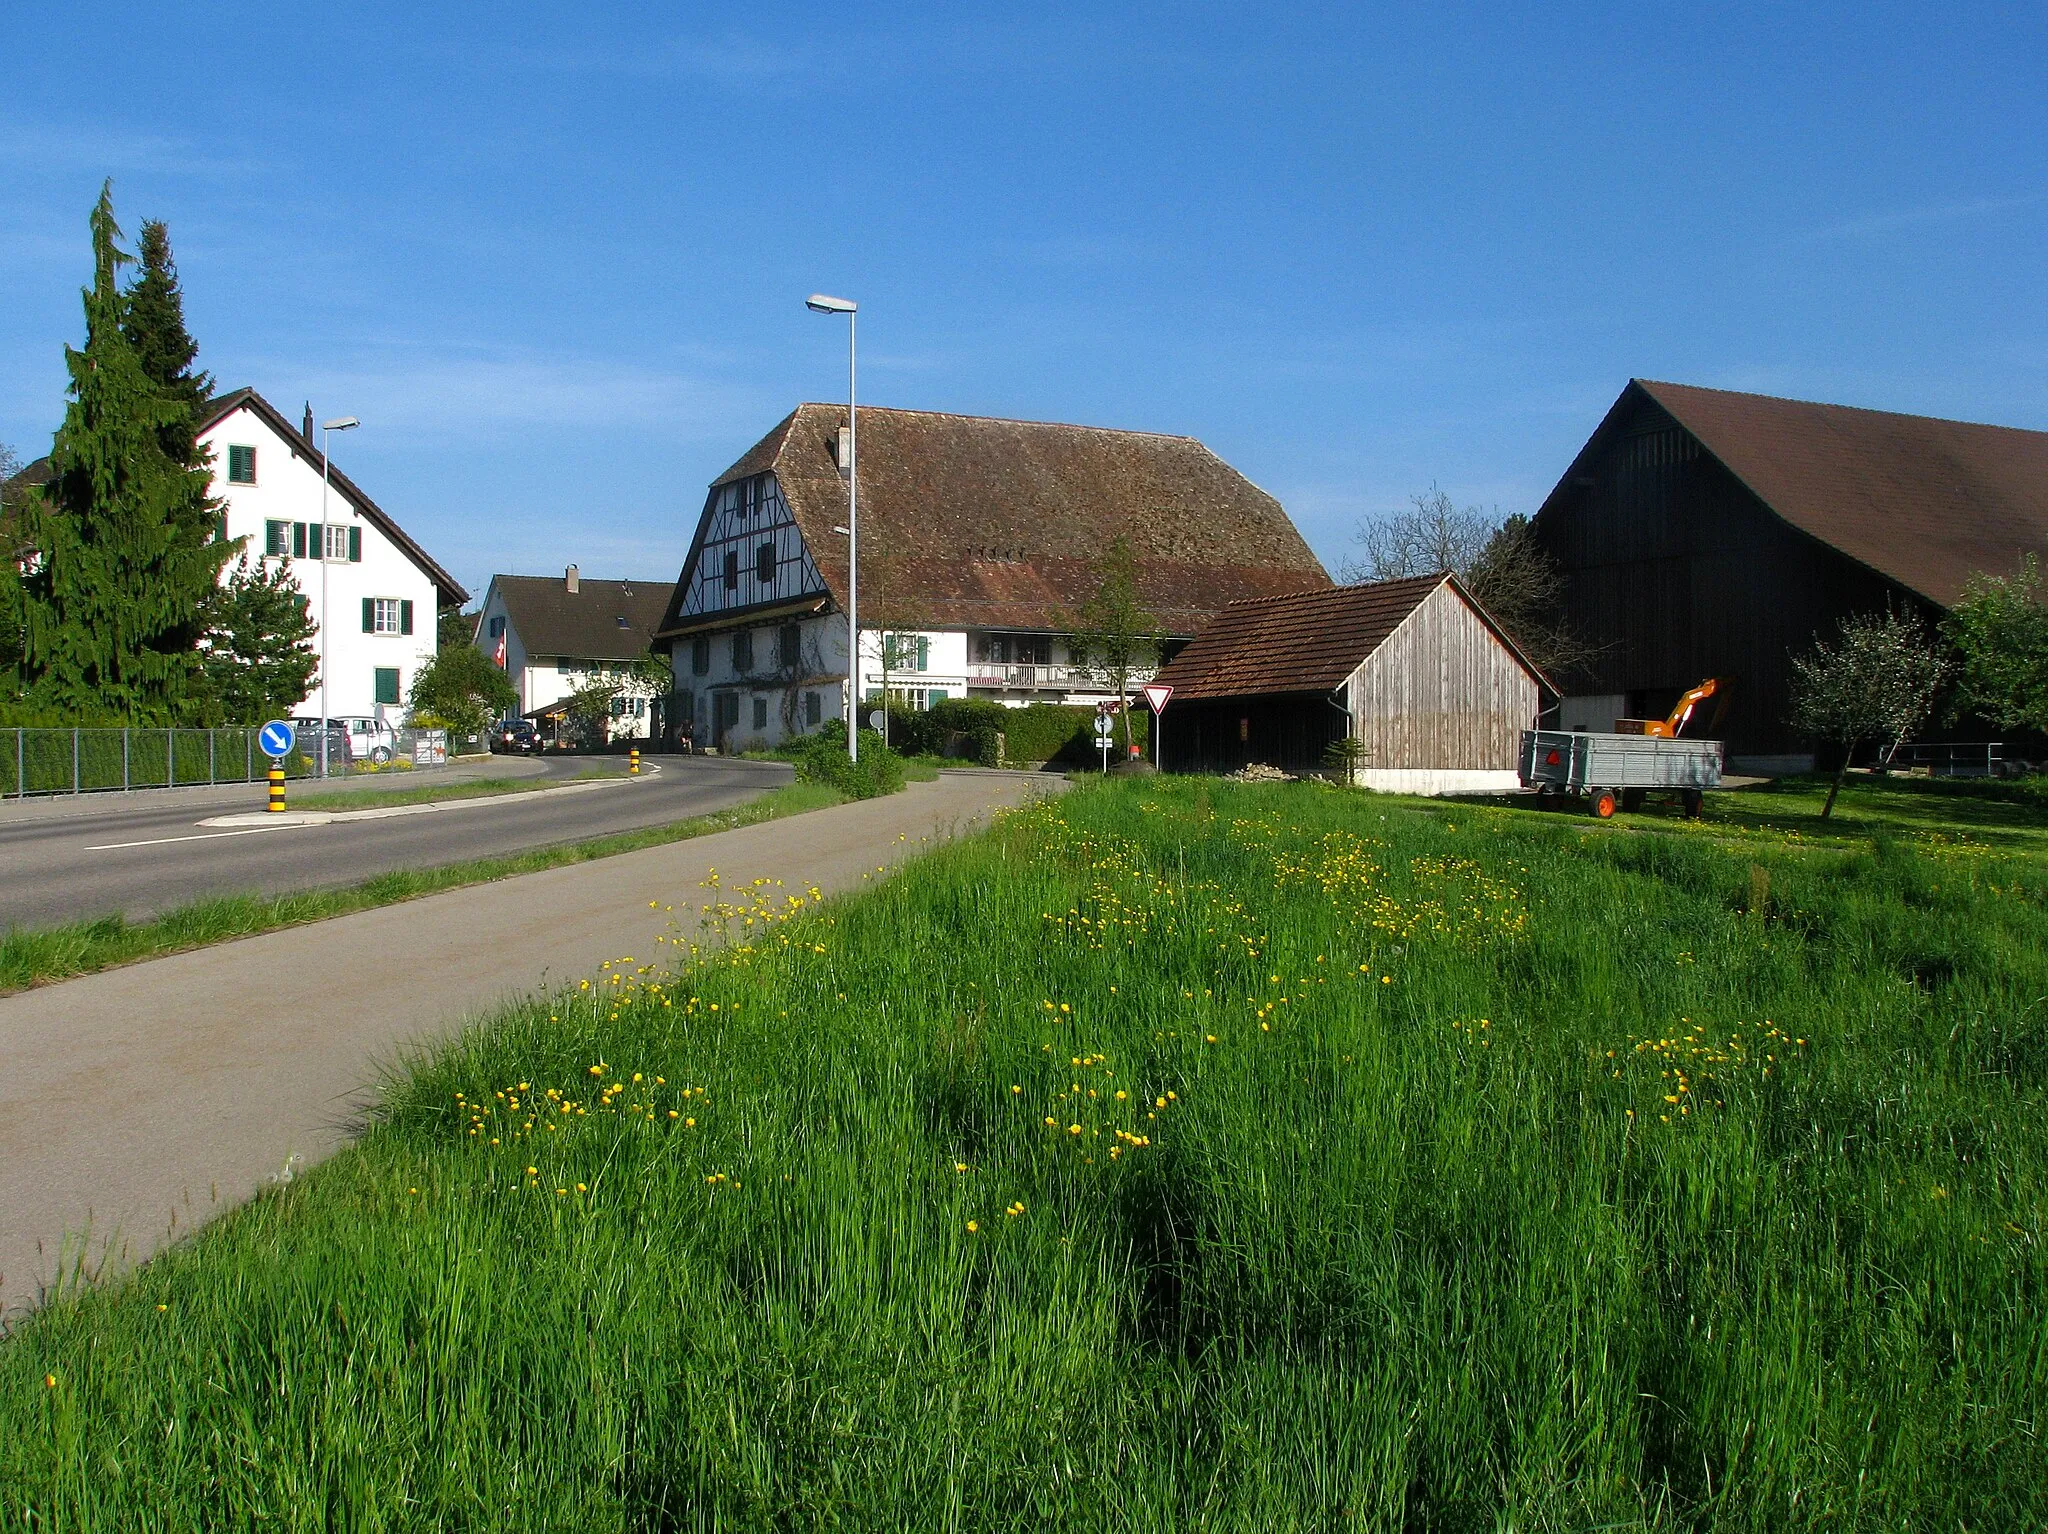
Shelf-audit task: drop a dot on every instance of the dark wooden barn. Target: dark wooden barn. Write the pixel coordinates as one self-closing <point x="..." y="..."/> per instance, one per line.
<point x="1433" y="690"/>
<point x="1706" y="533"/>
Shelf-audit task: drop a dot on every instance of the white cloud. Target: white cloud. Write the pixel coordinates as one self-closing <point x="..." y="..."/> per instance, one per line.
<point x="1907" y="218"/>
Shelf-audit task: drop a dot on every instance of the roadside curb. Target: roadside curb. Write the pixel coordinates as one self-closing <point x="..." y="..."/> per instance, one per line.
<point x="389" y="811"/>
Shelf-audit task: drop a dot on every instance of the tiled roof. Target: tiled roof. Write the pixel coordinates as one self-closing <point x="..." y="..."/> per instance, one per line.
<point x="1923" y="501"/>
<point x="451" y="593"/>
<point x="990" y="523"/>
<point x="1302" y="642"/>
<point x="583" y="624"/>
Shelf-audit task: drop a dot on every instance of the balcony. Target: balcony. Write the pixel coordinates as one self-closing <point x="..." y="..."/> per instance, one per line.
<point x="1020" y="677"/>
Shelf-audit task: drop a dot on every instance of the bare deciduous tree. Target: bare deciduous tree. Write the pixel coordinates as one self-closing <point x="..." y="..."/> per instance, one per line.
<point x="1496" y="558"/>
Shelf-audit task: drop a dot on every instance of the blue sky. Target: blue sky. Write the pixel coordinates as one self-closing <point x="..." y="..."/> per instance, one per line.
<point x="555" y="258"/>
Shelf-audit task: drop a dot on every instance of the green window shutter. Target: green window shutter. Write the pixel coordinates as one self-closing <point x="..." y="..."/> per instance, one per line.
<point x="387" y="684"/>
<point x="298" y="540"/>
<point x="369" y="615"/>
<point x="924" y="653"/>
<point x="355" y="549"/>
<point x="405" y="617"/>
<point x="936" y="695"/>
<point x="274" y="539"/>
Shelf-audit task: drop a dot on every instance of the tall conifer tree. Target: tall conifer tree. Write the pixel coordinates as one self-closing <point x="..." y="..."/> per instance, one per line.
<point x="154" y="323"/>
<point x="124" y="560"/>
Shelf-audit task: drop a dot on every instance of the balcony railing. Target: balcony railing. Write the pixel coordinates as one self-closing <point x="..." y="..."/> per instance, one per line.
<point x="1022" y="677"/>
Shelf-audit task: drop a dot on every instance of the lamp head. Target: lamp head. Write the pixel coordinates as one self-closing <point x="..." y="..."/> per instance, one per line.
<point x="341" y="423"/>
<point x="821" y="303"/>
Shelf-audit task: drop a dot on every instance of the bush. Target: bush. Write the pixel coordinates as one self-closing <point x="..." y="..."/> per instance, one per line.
<point x="1050" y="732"/>
<point x="821" y="758"/>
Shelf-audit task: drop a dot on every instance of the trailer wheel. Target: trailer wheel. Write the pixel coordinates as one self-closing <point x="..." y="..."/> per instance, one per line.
<point x="1603" y="804"/>
<point x="1631" y="799"/>
<point x="1694" y="801"/>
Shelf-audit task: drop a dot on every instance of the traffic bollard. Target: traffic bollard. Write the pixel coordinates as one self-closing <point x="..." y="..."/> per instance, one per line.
<point x="634" y="769"/>
<point x="276" y="790"/>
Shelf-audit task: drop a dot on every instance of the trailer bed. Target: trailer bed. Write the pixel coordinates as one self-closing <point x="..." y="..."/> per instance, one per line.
<point x="1611" y="770"/>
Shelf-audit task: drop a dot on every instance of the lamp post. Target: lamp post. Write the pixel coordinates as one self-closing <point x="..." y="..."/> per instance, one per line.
<point x="819" y="303"/>
<point x="327" y="429"/>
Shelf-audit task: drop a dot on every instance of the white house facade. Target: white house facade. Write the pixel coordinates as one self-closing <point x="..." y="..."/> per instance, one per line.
<point x="979" y="540"/>
<point x="554" y="636"/>
<point x="344" y="553"/>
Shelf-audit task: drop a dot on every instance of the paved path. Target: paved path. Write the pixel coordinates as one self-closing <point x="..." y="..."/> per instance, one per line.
<point x="145" y="855"/>
<point x="147" y="1099"/>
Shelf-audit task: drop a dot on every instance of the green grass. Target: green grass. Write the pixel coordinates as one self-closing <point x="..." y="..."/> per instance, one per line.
<point x="849" y="1226"/>
<point x="434" y="793"/>
<point x="37" y="955"/>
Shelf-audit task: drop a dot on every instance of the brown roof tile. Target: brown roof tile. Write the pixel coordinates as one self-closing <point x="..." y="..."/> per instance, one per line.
<point x="1923" y="501"/>
<point x="583" y="624"/>
<point x="998" y="523"/>
<point x="1306" y="641"/>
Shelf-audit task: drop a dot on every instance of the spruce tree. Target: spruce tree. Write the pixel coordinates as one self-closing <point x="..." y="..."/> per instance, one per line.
<point x="124" y="558"/>
<point x="259" y="658"/>
<point x="154" y="323"/>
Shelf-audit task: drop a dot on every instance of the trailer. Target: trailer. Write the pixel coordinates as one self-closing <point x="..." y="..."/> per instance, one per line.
<point x="1614" y="772"/>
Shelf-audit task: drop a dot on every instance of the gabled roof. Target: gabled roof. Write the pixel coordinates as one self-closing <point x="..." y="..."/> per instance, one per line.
<point x="222" y="406"/>
<point x="979" y="522"/>
<point x="583" y="624"/>
<point x="1926" y="503"/>
<point x="1307" y="641"/>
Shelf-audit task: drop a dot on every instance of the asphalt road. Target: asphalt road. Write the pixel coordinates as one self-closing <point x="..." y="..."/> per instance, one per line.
<point x="138" y="857"/>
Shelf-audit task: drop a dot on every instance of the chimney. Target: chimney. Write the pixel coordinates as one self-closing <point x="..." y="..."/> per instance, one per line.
<point x="306" y="427"/>
<point x="842" y="448"/>
<point x="572" y="580"/>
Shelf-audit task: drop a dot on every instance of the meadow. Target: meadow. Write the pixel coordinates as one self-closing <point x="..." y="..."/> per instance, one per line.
<point x="1177" y="1155"/>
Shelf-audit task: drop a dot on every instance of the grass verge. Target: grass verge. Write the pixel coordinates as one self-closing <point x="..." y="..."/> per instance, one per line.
<point x="1175" y="1156"/>
<point x="476" y="788"/>
<point x="39" y="955"/>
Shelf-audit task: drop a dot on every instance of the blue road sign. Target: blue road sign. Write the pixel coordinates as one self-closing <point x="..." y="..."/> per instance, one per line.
<point x="276" y="738"/>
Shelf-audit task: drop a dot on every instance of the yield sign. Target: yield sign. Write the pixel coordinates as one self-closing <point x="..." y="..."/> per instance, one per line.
<point x="1156" y="694"/>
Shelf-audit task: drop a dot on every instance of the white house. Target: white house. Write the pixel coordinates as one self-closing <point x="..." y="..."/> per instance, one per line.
<point x="979" y="540"/>
<point x="553" y="636"/>
<point x="350" y="559"/>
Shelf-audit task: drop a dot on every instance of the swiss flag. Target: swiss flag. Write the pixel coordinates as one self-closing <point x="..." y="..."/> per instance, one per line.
<point x="500" y="656"/>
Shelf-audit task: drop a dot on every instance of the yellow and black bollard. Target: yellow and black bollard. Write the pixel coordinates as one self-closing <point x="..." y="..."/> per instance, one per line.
<point x="276" y="789"/>
<point x="634" y="769"/>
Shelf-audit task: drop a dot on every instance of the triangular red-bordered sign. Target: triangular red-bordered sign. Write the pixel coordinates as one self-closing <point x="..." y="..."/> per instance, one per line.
<point x="1156" y="694"/>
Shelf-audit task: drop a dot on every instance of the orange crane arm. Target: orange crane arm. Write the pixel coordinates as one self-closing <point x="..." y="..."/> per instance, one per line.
<point x="1676" y="722"/>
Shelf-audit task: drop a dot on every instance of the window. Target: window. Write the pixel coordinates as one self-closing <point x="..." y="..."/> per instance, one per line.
<point x="498" y="627"/>
<point x="789" y="646"/>
<point x="732" y="570"/>
<point x="760" y="713"/>
<point x="277" y="538"/>
<point x="743" y="650"/>
<point x="814" y="711"/>
<point x="764" y="562"/>
<point x="700" y="657"/>
<point x="907" y="652"/>
<point x="386" y="615"/>
<point x="241" y="465"/>
<point x="387" y="684"/>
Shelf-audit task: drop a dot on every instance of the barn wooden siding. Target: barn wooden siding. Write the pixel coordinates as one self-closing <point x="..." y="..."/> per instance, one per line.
<point x="1441" y="692"/>
<point x="1680" y="572"/>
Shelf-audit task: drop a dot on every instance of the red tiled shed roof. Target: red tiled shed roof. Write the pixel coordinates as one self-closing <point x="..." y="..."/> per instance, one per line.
<point x="1303" y="641"/>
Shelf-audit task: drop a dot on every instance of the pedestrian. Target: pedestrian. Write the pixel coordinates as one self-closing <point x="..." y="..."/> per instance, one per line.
<point x="684" y="744"/>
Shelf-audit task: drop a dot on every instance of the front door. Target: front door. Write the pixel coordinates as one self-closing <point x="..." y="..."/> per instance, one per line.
<point x="728" y="719"/>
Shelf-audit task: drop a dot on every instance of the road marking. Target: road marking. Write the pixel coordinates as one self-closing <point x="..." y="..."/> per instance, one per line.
<point x="204" y="836"/>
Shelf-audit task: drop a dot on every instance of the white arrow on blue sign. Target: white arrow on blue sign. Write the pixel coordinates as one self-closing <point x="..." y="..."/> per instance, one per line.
<point x="276" y="738"/>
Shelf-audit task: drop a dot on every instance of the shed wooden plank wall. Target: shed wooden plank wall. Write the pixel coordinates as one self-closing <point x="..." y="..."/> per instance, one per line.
<point x="1442" y="692"/>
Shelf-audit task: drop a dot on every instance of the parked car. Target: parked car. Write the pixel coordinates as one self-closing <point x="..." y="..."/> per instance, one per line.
<point x="369" y="740"/>
<point x="308" y="744"/>
<point x="515" y="737"/>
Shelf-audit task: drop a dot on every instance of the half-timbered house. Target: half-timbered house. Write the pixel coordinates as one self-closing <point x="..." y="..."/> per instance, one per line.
<point x="979" y="541"/>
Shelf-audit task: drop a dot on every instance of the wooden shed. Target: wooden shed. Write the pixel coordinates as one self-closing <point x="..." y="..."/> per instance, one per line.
<point x="1432" y="688"/>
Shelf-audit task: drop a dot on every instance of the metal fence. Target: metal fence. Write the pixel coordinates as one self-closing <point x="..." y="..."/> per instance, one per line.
<point x="84" y="761"/>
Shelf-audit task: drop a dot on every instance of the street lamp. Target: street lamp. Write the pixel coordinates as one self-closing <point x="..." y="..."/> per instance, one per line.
<point x="327" y="428"/>
<point x="819" y="303"/>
